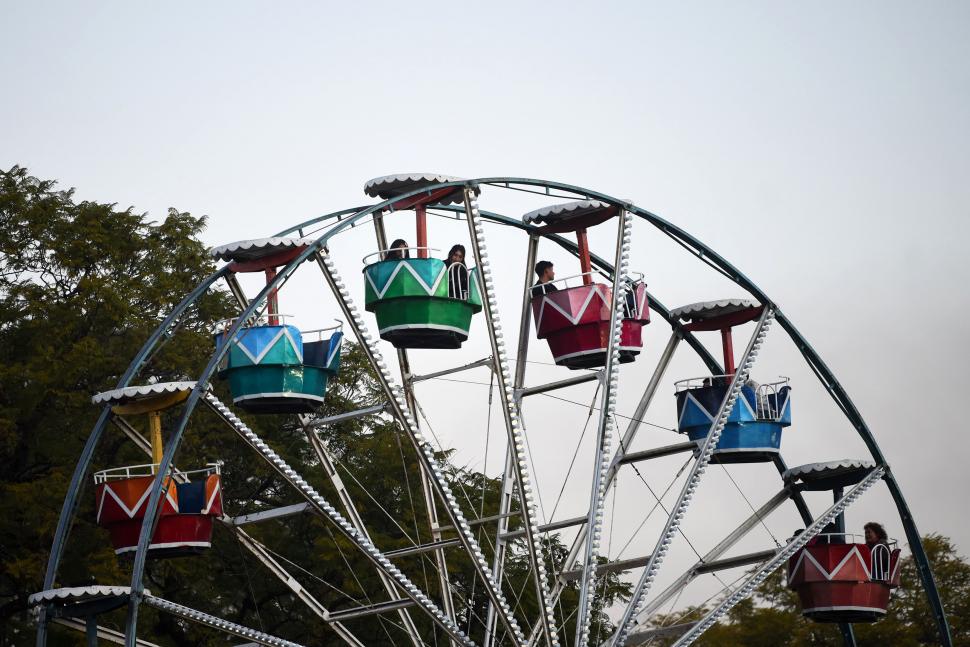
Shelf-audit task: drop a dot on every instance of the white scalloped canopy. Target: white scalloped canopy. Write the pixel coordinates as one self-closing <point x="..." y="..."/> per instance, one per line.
<point x="79" y="594"/>
<point x="709" y="309"/>
<point x="250" y="250"/>
<point x="827" y="475"/>
<point x="390" y="186"/>
<point x="557" y="212"/>
<point x="128" y="394"/>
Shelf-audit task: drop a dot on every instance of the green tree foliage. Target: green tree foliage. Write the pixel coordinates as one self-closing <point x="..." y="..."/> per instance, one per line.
<point x="82" y="285"/>
<point x="772" y="617"/>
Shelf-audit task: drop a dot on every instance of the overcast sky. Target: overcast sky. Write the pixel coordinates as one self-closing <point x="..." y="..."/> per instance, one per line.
<point x="823" y="148"/>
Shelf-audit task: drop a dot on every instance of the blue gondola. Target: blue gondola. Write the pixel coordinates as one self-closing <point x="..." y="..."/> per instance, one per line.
<point x="753" y="430"/>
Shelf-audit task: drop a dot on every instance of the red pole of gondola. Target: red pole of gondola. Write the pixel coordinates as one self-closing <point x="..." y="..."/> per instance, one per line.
<point x="585" y="266"/>
<point x="727" y="344"/>
<point x="422" y="225"/>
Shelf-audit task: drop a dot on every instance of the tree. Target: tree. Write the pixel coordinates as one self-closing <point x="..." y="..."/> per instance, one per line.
<point x="772" y="617"/>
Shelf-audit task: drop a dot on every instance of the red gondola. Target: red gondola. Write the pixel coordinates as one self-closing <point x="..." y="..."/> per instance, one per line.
<point x="838" y="577"/>
<point x="576" y="320"/>
<point x="192" y="502"/>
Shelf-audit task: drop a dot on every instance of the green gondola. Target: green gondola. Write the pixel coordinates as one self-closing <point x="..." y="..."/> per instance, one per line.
<point x="418" y="303"/>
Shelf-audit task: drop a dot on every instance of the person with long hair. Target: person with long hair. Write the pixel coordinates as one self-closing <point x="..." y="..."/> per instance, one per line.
<point x="875" y="534"/>
<point x="457" y="272"/>
<point x="877" y="539"/>
<point x="399" y="250"/>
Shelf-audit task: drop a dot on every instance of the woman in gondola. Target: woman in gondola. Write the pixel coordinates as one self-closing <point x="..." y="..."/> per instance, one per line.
<point x="399" y="250"/>
<point x="457" y="272"/>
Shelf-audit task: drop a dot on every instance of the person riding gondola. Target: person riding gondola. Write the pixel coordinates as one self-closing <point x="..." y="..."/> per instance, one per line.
<point x="457" y="272"/>
<point x="399" y="250"/>
<point x="546" y="274"/>
<point x="878" y="542"/>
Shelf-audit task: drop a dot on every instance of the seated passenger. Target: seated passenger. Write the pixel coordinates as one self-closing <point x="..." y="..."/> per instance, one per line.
<point x="399" y="250"/>
<point x="457" y="273"/>
<point x="876" y="536"/>
<point x="546" y="275"/>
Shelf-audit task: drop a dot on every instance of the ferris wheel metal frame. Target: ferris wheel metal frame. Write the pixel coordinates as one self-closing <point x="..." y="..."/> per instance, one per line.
<point x="517" y="481"/>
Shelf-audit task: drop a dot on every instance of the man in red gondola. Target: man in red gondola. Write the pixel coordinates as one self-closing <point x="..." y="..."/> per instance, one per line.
<point x="547" y="275"/>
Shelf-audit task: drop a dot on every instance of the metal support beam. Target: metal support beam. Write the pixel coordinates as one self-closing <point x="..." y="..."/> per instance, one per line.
<point x="102" y="633"/>
<point x="427" y="490"/>
<point x="712" y="555"/>
<point x="315" y="423"/>
<point x="266" y="515"/>
<point x="628" y="436"/>
<point x="555" y="525"/>
<point x="236" y="290"/>
<point x="266" y="559"/>
<point x="366" y="547"/>
<point x="508" y="477"/>
<point x="486" y="361"/>
<point x="558" y="384"/>
<point x="618" y="566"/>
<point x="478" y="522"/>
<point x="650" y="635"/>
<point x="423" y="548"/>
<point x="327" y="462"/>
<point x="513" y="423"/>
<point x="733" y="562"/>
<point x="656" y="452"/>
<point x="370" y="610"/>
<point x="447" y="601"/>
<point x="214" y="622"/>
<point x="604" y="431"/>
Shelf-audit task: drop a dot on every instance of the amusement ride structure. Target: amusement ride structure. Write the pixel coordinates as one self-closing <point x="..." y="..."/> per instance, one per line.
<point x="594" y="324"/>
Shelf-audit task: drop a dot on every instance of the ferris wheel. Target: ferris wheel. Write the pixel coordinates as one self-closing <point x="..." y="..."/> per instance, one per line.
<point x="402" y="304"/>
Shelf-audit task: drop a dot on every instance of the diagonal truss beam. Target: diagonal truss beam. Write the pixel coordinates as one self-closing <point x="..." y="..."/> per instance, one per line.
<point x="513" y="423"/>
<point x="423" y="448"/>
<point x="712" y="555"/>
<point x="208" y="620"/>
<point x="687" y="492"/>
<point x="796" y="543"/>
<point x="602" y="460"/>
<point x="350" y="509"/>
<point x="322" y="506"/>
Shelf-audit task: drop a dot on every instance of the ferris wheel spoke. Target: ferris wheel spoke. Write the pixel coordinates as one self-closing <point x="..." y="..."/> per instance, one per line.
<point x="202" y="618"/>
<point x="427" y="490"/>
<point x="423" y="448"/>
<point x="508" y="475"/>
<point x="795" y="543"/>
<point x="605" y="427"/>
<point x="378" y="558"/>
<point x="513" y="423"/>
<point x="621" y="456"/>
<point x="350" y="509"/>
<point x="687" y="492"/>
